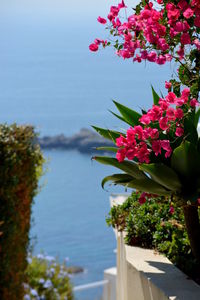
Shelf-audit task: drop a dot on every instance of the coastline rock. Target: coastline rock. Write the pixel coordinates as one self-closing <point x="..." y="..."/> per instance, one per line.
<point x="85" y="141"/>
<point x="75" y="270"/>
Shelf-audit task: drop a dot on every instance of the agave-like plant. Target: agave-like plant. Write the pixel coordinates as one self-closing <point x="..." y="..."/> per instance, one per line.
<point x="176" y="175"/>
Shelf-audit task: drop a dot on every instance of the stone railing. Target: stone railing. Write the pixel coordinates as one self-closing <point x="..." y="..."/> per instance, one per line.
<point x="145" y="275"/>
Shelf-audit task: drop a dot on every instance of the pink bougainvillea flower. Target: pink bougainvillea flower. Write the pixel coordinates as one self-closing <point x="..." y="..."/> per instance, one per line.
<point x="152" y="56"/>
<point x="197" y="21"/>
<point x="156" y="147"/>
<point x="121" y="154"/>
<point x="194" y="102"/>
<point x="145" y="119"/>
<point x="168" y="85"/>
<point x="154" y="133"/>
<point x="121" y="5"/>
<point x="185" y="39"/>
<point x="165" y="144"/>
<point x="171" y="97"/>
<point x="179" y="131"/>
<point x="161" y="60"/>
<point x="188" y="13"/>
<point x="185" y="94"/>
<point x="121" y="141"/>
<point x="142" y="198"/>
<point x="182" y="4"/>
<point x="98" y="41"/>
<point x="131" y="153"/>
<point x="179" y="113"/>
<point x="138" y="130"/>
<point x="196" y="42"/>
<point x="163" y="123"/>
<point x="101" y="20"/>
<point x="94" y="47"/>
<point x="171" y="210"/>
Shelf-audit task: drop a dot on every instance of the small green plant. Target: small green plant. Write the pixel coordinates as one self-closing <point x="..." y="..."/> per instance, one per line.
<point x="156" y="224"/>
<point x="47" y="279"/>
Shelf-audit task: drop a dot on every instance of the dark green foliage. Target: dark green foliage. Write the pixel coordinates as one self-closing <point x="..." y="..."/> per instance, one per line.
<point x="20" y="167"/>
<point x="152" y="225"/>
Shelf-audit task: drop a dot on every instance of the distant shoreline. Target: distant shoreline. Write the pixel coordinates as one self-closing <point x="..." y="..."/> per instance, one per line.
<point x="84" y="141"/>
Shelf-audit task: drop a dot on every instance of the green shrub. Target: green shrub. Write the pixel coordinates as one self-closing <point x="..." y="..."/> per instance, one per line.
<point x="47" y="279"/>
<point x="20" y="168"/>
<point x="152" y="225"/>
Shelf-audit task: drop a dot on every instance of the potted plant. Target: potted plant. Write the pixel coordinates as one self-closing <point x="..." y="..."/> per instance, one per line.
<point x="160" y="151"/>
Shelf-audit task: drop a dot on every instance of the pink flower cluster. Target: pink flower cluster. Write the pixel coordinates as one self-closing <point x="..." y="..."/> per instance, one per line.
<point x="153" y="34"/>
<point x="153" y="135"/>
<point x="144" y="196"/>
<point x="95" y="46"/>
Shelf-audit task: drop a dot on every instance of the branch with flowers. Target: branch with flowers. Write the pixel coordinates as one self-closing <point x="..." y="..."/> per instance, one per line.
<point x="159" y="153"/>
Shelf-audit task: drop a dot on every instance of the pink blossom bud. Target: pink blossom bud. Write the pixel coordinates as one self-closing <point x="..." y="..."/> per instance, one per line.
<point x="179" y="131"/>
<point x="93" y="47"/>
<point x="168" y="85"/>
<point x="101" y="20"/>
<point x="194" y="102"/>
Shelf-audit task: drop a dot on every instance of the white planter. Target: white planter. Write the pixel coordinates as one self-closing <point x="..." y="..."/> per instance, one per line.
<point x="143" y="274"/>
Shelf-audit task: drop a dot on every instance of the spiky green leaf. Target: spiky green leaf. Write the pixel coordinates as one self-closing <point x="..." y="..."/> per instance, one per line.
<point x="156" y="97"/>
<point x="117" y="179"/>
<point x="107" y="134"/>
<point x="190" y="131"/>
<point x="130" y="116"/>
<point x="128" y="167"/>
<point x="148" y="185"/>
<point x="117" y="116"/>
<point x="186" y="160"/>
<point x="110" y="149"/>
<point x="163" y="175"/>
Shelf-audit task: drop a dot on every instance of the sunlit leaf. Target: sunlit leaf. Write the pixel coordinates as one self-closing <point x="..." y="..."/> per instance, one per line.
<point x="186" y="160"/>
<point x="156" y="97"/>
<point x="163" y="175"/>
<point x="148" y="185"/>
<point x="129" y="167"/>
<point x="118" y="116"/>
<point x="121" y="179"/>
<point x="107" y="134"/>
<point x="110" y="149"/>
<point x="130" y="116"/>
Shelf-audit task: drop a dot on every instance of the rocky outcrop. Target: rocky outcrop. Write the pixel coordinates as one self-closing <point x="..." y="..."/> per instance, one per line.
<point x="85" y="141"/>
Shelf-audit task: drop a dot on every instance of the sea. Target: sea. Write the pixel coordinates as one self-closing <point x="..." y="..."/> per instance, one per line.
<point x="48" y="78"/>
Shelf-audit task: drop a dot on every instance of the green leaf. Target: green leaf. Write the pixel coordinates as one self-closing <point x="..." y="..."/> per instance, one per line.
<point x="196" y="118"/>
<point x="162" y="175"/>
<point x="185" y="160"/>
<point x="107" y="134"/>
<point x="149" y="186"/>
<point x="129" y="167"/>
<point x="156" y="97"/>
<point x="117" y="116"/>
<point x="130" y="116"/>
<point x="111" y="149"/>
<point x="190" y="131"/>
<point x="121" y="179"/>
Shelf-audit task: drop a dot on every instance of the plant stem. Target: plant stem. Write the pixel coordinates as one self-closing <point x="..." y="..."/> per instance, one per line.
<point x="193" y="229"/>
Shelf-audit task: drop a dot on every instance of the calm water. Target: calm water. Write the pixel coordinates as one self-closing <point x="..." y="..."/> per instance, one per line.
<point x="70" y="216"/>
<point x="48" y="78"/>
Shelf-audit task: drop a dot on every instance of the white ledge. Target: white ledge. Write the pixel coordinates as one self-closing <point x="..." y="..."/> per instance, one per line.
<point x="143" y="274"/>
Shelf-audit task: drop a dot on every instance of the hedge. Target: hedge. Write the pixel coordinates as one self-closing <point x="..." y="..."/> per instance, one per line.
<point x="20" y="168"/>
